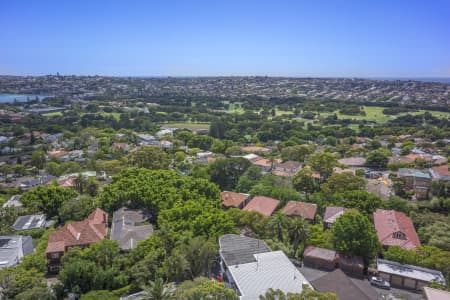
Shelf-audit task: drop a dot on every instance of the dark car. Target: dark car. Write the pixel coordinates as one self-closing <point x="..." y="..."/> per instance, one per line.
<point x="379" y="282"/>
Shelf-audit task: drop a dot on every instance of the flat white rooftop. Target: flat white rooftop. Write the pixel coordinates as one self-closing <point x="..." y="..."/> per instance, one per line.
<point x="271" y="270"/>
<point x="413" y="272"/>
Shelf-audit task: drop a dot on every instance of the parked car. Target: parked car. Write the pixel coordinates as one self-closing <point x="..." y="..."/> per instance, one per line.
<point x="379" y="282"/>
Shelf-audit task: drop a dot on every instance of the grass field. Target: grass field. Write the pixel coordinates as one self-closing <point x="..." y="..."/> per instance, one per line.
<point x="235" y="108"/>
<point x="187" y="125"/>
<point x="116" y="115"/>
<point x="375" y="113"/>
<point x="53" y="114"/>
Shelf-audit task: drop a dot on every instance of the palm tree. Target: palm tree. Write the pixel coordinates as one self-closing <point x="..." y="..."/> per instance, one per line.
<point x="277" y="224"/>
<point x="298" y="231"/>
<point x="158" y="290"/>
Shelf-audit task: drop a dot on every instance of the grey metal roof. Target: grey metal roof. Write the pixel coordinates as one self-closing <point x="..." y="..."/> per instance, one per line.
<point x="344" y="287"/>
<point x="236" y="249"/>
<point x="31" y="222"/>
<point x="414" y="173"/>
<point x="414" y="272"/>
<point x="14" y="201"/>
<point x="126" y="229"/>
<point x="13" y="248"/>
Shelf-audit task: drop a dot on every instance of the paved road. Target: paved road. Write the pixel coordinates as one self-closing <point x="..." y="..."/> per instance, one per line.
<point x="392" y="294"/>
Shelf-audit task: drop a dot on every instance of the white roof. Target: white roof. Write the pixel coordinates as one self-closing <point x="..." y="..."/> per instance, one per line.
<point x="250" y="156"/>
<point x="413" y="272"/>
<point x="271" y="270"/>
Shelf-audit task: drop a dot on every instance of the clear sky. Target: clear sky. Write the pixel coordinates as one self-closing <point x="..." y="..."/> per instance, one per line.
<point x="363" y="38"/>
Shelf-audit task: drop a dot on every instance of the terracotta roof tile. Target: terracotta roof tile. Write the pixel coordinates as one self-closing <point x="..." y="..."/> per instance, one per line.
<point x="301" y="209"/>
<point x="90" y="230"/>
<point x="232" y="199"/>
<point x="388" y="222"/>
<point x="442" y="170"/>
<point x="332" y="212"/>
<point x="264" y="205"/>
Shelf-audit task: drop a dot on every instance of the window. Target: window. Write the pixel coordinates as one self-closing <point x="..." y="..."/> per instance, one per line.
<point x="399" y="235"/>
<point x="54" y="255"/>
<point x="53" y="268"/>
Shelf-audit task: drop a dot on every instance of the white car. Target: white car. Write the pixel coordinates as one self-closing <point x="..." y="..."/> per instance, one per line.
<point x="379" y="282"/>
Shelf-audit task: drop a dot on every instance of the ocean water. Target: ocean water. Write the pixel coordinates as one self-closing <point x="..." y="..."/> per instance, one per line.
<point x="425" y="79"/>
<point x="10" y="98"/>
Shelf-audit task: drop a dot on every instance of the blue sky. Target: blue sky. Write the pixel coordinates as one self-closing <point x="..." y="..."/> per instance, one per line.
<point x="210" y="38"/>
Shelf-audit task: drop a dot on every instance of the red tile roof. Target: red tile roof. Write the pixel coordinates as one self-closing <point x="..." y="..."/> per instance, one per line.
<point x="390" y="223"/>
<point x="232" y="199"/>
<point x="264" y="205"/>
<point x="263" y="162"/>
<point x="93" y="229"/>
<point x="282" y="173"/>
<point x="321" y="253"/>
<point x="57" y="153"/>
<point x="442" y="170"/>
<point x="68" y="182"/>
<point x="332" y="212"/>
<point x="255" y="149"/>
<point x="301" y="209"/>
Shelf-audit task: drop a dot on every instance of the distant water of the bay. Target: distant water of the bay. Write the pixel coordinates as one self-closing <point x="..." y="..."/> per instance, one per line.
<point x="10" y="98"/>
<point x="426" y="79"/>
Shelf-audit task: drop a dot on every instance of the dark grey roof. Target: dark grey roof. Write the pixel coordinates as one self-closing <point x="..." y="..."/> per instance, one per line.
<point x="126" y="229"/>
<point x="344" y="287"/>
<point x="236" y="249"/>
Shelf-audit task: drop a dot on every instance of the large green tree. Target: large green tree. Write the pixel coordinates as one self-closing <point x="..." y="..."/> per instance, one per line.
<point x="304" y="182"/>
<point x="298" y="231"/>
<point x="354" y="234"/>
<point x="226" y="171"/>
<point x="202" y="288"/>
<point x="296" y="153"/>
<point x="38" y="159"/>
<point x="323" y="162"/>
<point x="149" y="157"/>
<point x="155" y="190"/>
<point x="377" y="159"/>
<point x="47" y="199"/>
<point x="342" y="182"/>
<point x="158" y="290"/>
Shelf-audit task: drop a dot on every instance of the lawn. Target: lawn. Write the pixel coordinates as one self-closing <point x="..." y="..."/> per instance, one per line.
<point x="116" y="115"/>
<point x="53" y="114"/>
<point x="187" y="125"/>
<point x="375" y="113"/>
<point x="235" y="107"/>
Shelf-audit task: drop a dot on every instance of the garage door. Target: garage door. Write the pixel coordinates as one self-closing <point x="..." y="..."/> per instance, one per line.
<point x="409" y="283"/>
<point x="396" y="280"/>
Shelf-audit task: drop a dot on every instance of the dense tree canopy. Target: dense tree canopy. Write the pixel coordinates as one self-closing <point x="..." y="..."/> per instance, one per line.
<point x="226" y="171"/>
<point x="342" y="182"/>
<point x="377" y="159"/>
<point x="354" y="234"/>
<point x="155" y="190"/>
<point x="323" y="163"/>
<point x="47" y="199"/>
<point x="203" y="288"/>
<point x="149" y="157"/>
